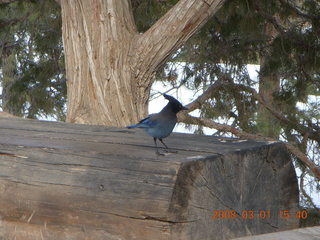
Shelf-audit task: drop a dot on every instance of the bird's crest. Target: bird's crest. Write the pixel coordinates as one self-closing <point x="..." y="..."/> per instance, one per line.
<point x="170" y="98"/>
<point x="175" y="104"/>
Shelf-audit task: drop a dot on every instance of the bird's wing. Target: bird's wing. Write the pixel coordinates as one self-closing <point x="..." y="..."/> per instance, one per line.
<point x="147" y="122"/>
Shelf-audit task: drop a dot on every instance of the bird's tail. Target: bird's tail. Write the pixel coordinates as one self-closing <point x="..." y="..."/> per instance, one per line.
<point x="133" y="126"/>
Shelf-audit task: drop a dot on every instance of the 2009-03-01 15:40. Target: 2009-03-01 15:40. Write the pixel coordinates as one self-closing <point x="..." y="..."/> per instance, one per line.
<point x="261" y="214"/>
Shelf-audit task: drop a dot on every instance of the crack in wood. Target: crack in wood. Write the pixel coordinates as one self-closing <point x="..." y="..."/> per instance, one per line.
<point x="256" y="179"/>
<point x="222" y="203"/>
<point x="268" y="223"/>
<point x="11" y="155"/>
<point x="146" y="217"/>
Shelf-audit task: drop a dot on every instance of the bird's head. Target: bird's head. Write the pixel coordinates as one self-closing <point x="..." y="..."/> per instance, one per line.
<point x="175" y="104"/>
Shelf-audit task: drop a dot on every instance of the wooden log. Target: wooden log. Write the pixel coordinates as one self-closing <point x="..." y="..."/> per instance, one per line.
<point x="68" y="181"/>
<point x="310" y="233"/>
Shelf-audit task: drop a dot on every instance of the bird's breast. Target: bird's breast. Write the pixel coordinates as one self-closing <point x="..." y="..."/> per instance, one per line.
<point x="162" y="129"/>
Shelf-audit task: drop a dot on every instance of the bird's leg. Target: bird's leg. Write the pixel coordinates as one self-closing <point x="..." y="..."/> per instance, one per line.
<point x="167" y="149"/>
<point x="157" y="150"/>
<point x="163" y="143"/>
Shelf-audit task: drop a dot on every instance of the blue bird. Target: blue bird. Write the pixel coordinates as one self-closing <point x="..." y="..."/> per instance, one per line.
<point x="160" y="125"/>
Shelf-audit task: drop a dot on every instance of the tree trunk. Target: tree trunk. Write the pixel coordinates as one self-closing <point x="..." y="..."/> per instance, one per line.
<point x="110" y="66"/>
<point x="269" y="83"/>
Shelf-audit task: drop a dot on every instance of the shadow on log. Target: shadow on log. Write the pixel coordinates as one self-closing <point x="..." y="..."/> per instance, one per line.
<point x="68" y="181"/>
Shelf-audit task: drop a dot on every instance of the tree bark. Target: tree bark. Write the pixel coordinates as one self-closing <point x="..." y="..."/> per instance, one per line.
<point x="110" y="66"/>
<point x="269" y="84"/>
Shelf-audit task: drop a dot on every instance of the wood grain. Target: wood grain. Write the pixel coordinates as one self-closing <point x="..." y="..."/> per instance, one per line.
<point x="69" y="181"/>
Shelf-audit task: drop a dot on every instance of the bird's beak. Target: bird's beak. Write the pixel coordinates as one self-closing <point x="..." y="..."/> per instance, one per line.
<point x="185" y="108"/>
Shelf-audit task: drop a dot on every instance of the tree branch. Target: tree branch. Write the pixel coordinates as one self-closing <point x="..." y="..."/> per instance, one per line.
<point x="292" y="5"/>
<point x="183" y="117"/>
<point x="207" y="94"/>
<point x="272" y="19"/>
<point x="312" y="131"/>
<point x="171" y="31"/>
<point x="13" y="21"/>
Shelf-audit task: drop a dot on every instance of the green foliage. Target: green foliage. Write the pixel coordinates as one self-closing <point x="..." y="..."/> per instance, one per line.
<point x="236" y="36"/>
<point x="147" y="12"/>
<point x="312" y="219"/>
<point x="32" y="62"/>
